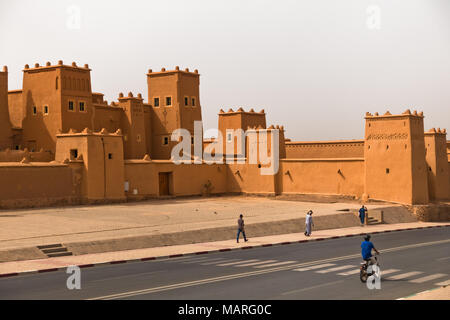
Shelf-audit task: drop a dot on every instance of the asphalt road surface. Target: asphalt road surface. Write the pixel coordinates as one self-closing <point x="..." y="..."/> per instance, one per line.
<point x="411" y="262"/>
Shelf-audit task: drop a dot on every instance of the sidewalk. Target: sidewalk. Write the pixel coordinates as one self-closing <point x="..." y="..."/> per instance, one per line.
<point x="33" y="227"/>
<point x="434" y="294"/>
<point x="90" y="260"/>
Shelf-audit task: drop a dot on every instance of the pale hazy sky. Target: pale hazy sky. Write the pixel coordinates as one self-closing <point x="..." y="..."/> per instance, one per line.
<point x="315" y="66"/>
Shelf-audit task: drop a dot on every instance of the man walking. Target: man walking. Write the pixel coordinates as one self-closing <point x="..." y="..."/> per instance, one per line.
<point x="241" y="229"/>
<point x="362" y="214"/>
<point x="308" y="222"/>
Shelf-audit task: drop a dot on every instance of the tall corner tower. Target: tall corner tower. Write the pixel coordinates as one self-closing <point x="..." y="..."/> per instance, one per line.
<point x="394" y="152"/>
<point x="133" y="125"/>
<point x="55" y="98"/>
<point x="5" y="124"/>
<point x="437" y="162"/>
<point x="174" y="97"/>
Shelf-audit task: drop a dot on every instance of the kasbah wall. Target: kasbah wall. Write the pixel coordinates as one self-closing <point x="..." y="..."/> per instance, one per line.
<point x="61" y="143"/>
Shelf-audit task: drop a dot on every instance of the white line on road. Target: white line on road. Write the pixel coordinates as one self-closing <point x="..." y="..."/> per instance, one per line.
<point x="237" y="262"/>
<point x="336" y="269"/>
<point x="404" y="275"/>
<point x="198" y="260"/>
<point x="385" y="272"/>
<point x="208" y="262"/>
<point x="314" y="287"/>
<point x="276" y="264"/>
<point x="428" y="278"/>
<point x="255" y="263"/>
<point x="315" y="267"/>
<point x="443" y="283"/>
<point x="348" y="273"/>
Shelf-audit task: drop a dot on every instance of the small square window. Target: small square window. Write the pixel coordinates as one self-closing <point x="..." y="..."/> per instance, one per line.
<point x="387" y="170"/>
<point x="70" y="105"/>
<point x="110" y="155"/>
<point x="34" y="110"/>
<point x="45" y="109"/>
<point x="193" y="102"/>
<point x="168" y="101"/>
<point x="229" y="137"/>
<point x="186" y="101"/>
<point x="156" y="102"/>
<point x="73" y="154"/>
<point x="82" y="106"/>
<point x="165" y="141"/>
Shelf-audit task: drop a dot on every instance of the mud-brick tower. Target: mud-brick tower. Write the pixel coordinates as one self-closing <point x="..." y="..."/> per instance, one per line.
<point x="5" y="124"/>
<point x="133" y="125"/>
<point x="231" y="121"/>
<point x="394" y="152"/>
<point x="174" y="97"/>
<point x="438" y="171"/>
<point x="56" y="98"/>
<point x="100" y="155"/>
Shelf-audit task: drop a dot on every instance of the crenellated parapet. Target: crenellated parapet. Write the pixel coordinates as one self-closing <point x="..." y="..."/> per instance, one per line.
<point x="388" y="115"/>
<point x="176" y="70"/>
<point x="48" y="65"/>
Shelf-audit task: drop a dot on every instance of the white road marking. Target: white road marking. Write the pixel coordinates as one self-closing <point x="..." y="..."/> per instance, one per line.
<point x="315" y="267"/>
<point x="255" y="263"/>
<point x="428" y="278"/>
<point x="208" y="262"/>
<point x="403" y="275"/>
<point x="275" y="264"/>
<point x="442" y="259"/>
<point x="336" y="269"/>
<point x="198" y="260"/>
<point x="237" y="262"/>
<point x="443" y="283"/>
<point x="314" y="287"/>
<point x="384" y="272"/>
<point x="349" y="272"/>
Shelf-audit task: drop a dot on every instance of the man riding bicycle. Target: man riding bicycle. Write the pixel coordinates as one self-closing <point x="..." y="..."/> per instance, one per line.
<point x="366" y="251"/>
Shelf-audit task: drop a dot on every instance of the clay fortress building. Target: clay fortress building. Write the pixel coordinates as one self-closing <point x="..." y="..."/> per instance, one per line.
<point x="61" y="143"/>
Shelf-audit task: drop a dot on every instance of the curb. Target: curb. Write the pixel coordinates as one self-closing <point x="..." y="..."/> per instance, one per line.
<point x="8" y="275"/>
<point x="416" y="294"/>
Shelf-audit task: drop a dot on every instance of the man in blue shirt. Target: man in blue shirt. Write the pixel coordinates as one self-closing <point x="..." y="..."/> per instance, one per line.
<point x="362" y="214"/>
<point x="367" y="247"/>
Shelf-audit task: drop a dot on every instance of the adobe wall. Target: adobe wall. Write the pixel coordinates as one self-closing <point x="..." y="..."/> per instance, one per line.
<point x="107" y="116"/>
<point x="18" y="155"/>
<point x="325" y="149"/>
<point x="187" y="180"/>
<point x="38" y="184"/>
<point x="322" y="176"/>
<point x="448" y="150"/>
<point x="16" y="108"/>
<point x="246" y="178"/>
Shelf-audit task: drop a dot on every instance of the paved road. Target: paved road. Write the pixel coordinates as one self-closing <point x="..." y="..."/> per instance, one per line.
<point x="411" y="261"/>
